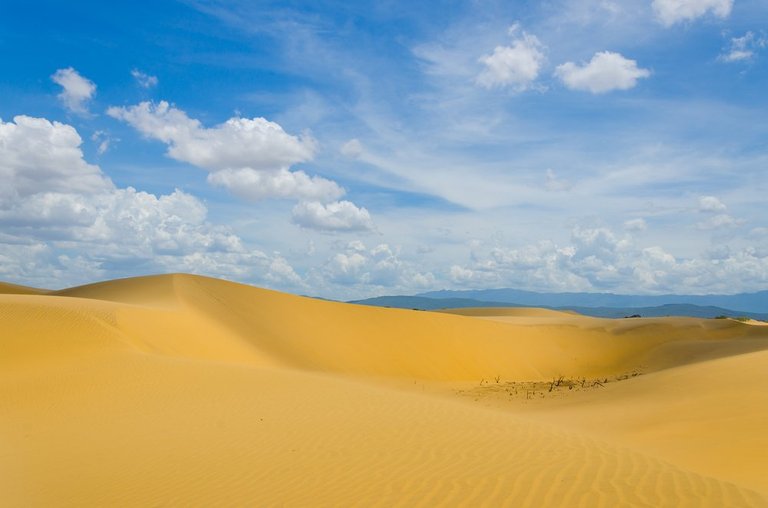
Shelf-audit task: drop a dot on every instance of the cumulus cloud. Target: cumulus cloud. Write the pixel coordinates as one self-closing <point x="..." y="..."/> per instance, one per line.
<point x="254" y="185"/>
<point x="63" y="221"/>
<point x="598" y="259"/>
<point x="252" y="159"/>
<point x="606" y="71"/>
<point x="670" y="12"/>
<point x="711" y="204"/>
<point x="39" y="156"/>
<point x="378" y="267"/>
<point x="555" y="184"/>
<point x="743" y="48"/>
<point x="281" y="272"/>
<point x="461" y="275"/>
<point x="516" y="66"/>
<point x="255" y="143"/>
<point x="77" y="90"/>
<point x="635" y="225"/>
<point x="352" y="149"/>
<point x="720" y="221"/>
<point x="144" y="80"/>
<point x="334" y="216"/>
<point x="717" y="216"/>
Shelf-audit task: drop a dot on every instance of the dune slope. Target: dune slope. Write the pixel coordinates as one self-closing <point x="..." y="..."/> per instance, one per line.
<point x="709" y="417"/>
<point x="139" y="431"/>
<point x="7" y="288"/>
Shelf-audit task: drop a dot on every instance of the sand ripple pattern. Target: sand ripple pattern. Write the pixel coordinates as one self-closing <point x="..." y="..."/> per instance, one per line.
<point x="163" y="433"/>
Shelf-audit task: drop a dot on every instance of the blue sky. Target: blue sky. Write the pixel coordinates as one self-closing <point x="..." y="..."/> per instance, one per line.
<point x="355" y="149"/>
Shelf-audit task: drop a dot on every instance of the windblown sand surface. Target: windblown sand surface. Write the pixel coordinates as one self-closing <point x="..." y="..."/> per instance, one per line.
<point x="187" y="391"/>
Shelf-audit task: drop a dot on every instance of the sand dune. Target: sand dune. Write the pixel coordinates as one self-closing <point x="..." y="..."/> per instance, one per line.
<point x="509" y="312"/>
<point x="14" y="289"/>
<point x="187" y="391"/>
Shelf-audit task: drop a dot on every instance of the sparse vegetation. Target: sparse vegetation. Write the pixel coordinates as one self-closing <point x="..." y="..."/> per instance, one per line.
<point x="530" y="390"/>
<point x="742" y="319"/>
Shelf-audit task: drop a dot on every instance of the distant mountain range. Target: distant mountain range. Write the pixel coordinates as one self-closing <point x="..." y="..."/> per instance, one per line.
<point x="424" y="303"/>
<point x="745" y="302"/>
<point x="751" y="305"/>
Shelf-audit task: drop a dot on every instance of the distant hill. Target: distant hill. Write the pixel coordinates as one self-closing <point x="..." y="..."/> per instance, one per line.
<point x="425" y="303"/>
<point x="673" y="309"/>
<point x="745" y="302"/>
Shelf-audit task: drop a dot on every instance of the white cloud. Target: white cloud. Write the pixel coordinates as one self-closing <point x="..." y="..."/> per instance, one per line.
<point x="356" y="246"/>
<point x="352" y="149"/>
<point x="255" y="185"/>
<point x="77" y="90"/>
<point x="717" y="219"/>
<point x="670" y="12"/>
<point x="597" y="259"/>
<point x="249" y="157"/>
<point x="555" y="184"/>
<point x="334" y="216"/>
<point x="280" y="271"/>
<point x="36" y="264"/>
<point x="255" y="143"/>
<point x="743" y="48"/>
<point x="39" y="156"/>
<point x="516" y="66"/>
<point x="144" y="80"/>
<point x="346" y="268"/>
<point x="606" y="71"/>
<point x="720" y="221"/>
<point x="64" y="222"/>
<point x="635" y="225"/>
<point x="711" y="204"/>
<point x="376" y="269"/>
<point x="461" y="275"/>
<point x="103" y="141"/>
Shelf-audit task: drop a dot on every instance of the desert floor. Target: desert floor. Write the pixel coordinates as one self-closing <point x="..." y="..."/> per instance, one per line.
<point x="180" y="390"/>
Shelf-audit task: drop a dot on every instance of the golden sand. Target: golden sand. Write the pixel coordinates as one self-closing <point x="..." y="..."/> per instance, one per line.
<point x="180" y="390"/>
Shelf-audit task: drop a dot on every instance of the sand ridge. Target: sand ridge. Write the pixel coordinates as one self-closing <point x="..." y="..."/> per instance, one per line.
<point x="178" y="390"/>
<point x="14" y="289"/>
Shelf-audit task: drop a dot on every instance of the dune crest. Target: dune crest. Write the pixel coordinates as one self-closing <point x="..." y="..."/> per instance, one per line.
<point x="7" y="288"/>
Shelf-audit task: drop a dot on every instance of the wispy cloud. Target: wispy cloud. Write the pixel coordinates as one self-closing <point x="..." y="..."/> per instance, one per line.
<point x="743" y="48"/>
<point x="144" y="80"/>
<point x="103" y="141"/>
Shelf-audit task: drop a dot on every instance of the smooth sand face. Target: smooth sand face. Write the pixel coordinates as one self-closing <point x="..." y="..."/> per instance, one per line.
<point x="188" y="391"/>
